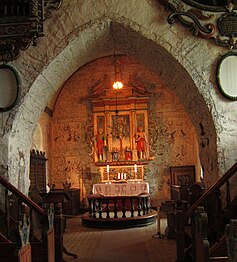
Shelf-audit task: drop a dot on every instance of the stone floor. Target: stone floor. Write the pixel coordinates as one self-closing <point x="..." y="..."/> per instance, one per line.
<point x="139" y="244"/>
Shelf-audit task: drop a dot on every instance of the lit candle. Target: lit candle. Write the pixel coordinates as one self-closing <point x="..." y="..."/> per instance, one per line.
<point x="135" y="168"/>
<point x="201" y="175"/>
<point x="107" y="168"/>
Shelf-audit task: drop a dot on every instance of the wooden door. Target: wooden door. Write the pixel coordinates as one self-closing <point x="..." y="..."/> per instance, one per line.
<point x="38" y="170"/>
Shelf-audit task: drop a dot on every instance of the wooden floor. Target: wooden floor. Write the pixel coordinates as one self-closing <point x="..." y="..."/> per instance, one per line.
<point x="124" y="245"/>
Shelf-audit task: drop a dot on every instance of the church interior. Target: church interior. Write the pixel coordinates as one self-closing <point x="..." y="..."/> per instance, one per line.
<point x="118" y="115"/>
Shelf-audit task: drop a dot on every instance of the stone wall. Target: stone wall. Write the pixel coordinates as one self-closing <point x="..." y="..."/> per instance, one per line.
<point x="80" y="32"/>
<point x="172" y="137"/>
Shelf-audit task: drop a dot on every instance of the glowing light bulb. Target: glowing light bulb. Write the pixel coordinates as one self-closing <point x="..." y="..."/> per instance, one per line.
<point x="117" y="85"/>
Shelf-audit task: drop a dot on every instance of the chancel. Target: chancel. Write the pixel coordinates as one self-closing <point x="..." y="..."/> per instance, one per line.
<point x="118" y="115"/>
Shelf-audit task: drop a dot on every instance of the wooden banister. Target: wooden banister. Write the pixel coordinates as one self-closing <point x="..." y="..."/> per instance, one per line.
<point x="212" y="189"/>
<point x="215" y="229"/>
<point x="23" y="197"/>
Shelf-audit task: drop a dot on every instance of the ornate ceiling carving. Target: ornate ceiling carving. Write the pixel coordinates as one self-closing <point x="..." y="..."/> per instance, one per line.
<point x="215" y="22"/>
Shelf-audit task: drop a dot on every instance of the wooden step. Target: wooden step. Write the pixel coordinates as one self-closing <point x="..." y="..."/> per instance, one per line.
<point x="120" y="222"/>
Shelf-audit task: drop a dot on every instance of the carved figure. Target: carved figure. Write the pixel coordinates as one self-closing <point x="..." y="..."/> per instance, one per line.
<point x="140" y="138"/>
<point x="128" y="153"/>
<point x="101" y="144"/>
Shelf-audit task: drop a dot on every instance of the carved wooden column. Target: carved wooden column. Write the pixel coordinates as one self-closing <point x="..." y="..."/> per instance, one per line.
<point x="231" y="240"/>
<point x="58" y="197"/>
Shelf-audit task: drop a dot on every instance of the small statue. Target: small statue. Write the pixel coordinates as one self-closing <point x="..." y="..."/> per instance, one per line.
<point x="101" y="144"/>
<point x="141" y="140"/>
<point x="115" y="154"/>
<point x="128" y="153"/>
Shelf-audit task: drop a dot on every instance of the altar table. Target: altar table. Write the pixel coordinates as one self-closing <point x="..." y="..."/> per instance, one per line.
<point x="121" y="189"/>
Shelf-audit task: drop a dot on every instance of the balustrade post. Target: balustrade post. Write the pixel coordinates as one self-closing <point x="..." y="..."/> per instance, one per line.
<point x="107" y="208"/>
<point x="146" y="205"/>
<point x="228" y="200"/>
<point x="132" y="207"/>
<point x="90" y="208"/>
<point x="94" y="208"/>
<point x="59" y="226"/>
<point x="115" y="208"/>
<point x="231" y="239"/>
<point x="124" y="207"/>
<point x="100" y="208"/>
<point x="143" y="206"/>
<point x="180" y="235"/>
<point x="7" y="212"/>
<point x="139" y="206"/>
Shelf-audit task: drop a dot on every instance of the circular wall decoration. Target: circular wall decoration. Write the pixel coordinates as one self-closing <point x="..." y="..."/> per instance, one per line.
<point x="9" y="87"/>
<point x="227" y="76"/>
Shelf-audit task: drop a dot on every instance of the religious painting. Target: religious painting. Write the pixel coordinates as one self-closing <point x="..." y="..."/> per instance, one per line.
<point x="182" y="175"/>
<point x="141" y="121"/>
<point x="120" y="132"/>
<point x="100" y="123"/>
<point x="120" y="135"/>
<point x="120" y="126"/>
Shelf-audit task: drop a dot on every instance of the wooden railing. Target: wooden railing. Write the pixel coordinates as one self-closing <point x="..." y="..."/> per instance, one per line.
<point x="213" y="197"/>
<point x="14" y="206"/>
<point x="101" y="206"/>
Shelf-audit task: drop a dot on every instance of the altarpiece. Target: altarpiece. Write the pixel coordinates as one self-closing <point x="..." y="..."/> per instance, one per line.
<point x="121" y="131"/>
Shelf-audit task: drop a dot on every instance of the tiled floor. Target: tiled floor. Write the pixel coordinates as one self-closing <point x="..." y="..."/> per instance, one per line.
<point x="123" y="245"/>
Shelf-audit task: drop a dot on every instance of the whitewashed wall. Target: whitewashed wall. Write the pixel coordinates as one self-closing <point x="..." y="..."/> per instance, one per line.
<point x="80" y="32"/>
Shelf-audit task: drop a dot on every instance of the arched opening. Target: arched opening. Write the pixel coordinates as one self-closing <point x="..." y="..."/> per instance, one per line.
<point x="155" y="59"/>
<point x="172" y="136"/>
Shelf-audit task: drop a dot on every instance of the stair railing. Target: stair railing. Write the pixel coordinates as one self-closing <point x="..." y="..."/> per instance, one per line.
<point x="182" y="218"/>
<point x="14" y="204"/>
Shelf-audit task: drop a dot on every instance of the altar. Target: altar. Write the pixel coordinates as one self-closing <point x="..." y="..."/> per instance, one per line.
<point x="129" y="188"/>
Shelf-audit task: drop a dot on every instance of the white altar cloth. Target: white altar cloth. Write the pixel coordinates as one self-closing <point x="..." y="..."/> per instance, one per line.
<point x="121" y="189"/>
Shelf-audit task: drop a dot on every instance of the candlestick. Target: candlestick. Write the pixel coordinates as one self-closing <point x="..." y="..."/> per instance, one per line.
<point x="135" y="168"/>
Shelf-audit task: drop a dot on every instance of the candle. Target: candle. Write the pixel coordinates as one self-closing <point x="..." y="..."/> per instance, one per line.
<point x="118" y="175"/>
<point x="125" y="175"/>
<point x="201" y="175"/>
<point x="135" y="168"/>
<point x="121" y="175"/>
<point x="107" y="168"/>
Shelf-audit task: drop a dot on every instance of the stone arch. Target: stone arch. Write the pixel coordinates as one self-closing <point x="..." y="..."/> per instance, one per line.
<point x="129" y="41"/>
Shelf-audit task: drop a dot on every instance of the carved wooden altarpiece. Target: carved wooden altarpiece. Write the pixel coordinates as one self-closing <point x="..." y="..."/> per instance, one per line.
<point x="117" y="116"/>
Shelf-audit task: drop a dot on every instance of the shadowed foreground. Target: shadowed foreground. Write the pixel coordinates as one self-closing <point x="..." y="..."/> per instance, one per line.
<point x="123" y="245"/>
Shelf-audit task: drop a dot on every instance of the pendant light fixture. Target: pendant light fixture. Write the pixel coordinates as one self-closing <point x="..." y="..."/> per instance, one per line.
<point x="117" y="74"/>
<point x="117" y="84"/>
